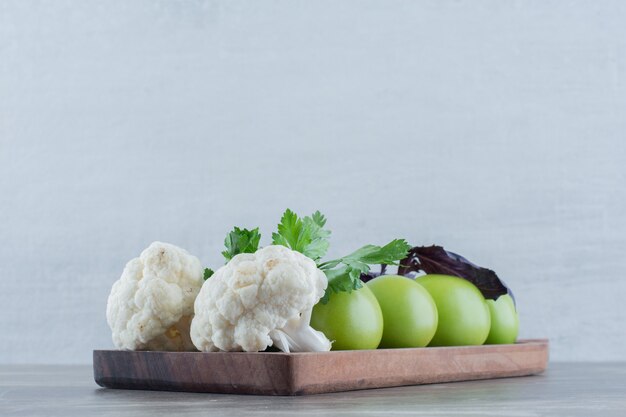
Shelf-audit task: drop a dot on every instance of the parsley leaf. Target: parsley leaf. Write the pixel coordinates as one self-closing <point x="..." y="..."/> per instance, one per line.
<point x="305" y="235"/>
<point x="389" y="254"/>
<point x="208" y="273"/>
<point x="342" y="279"/>
<point x="344" y="274"/>
<point x="241" y="241"/>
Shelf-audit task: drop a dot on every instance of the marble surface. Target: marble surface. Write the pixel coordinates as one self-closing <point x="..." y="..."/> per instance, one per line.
<point x="566" y="389"/>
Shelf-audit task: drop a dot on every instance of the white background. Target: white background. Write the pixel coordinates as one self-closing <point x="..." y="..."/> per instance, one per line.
<point x="494" y="128"/>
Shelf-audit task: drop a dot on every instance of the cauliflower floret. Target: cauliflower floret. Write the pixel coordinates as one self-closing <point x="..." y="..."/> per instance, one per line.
<point x="150" y="307"/>
<point x="260" y="299"/>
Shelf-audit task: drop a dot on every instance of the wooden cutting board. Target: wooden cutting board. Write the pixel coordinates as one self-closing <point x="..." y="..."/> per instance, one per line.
<point x="277" y="373"/>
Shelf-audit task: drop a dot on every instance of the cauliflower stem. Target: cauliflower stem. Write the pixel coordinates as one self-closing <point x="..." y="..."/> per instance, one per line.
<point x="298" y="336"/>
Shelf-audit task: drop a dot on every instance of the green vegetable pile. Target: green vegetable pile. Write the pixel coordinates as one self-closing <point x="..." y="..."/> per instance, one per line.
<point x="454" y="303"/>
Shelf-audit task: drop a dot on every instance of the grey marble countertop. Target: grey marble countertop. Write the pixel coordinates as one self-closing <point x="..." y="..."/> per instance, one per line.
<point x="566" y="389"/>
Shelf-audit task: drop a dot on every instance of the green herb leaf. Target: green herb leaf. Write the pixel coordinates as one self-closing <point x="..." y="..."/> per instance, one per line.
<point x="306" y="235"/>
<point x="342" y="279"/>
<point x="389" y="254"/>
<point x="241" y="241"/>
<point x="208" y="273"/>
<point x="289" y="230"/>
<point x="344" y="274"/>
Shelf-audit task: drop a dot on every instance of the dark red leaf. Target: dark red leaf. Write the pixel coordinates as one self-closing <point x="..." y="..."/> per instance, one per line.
<point x="437" y="260"/>
<point x="371" y="274"/>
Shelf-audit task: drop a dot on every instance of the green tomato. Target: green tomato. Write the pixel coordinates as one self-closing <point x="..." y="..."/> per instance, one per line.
<point x="464" y="317"/>
<point x="350" y="320"/>
<point x="409" y="312"/>
<point x="504" y="320"/>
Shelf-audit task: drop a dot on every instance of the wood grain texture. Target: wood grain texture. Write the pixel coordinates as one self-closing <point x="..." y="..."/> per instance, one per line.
<point x="275" y="373"/>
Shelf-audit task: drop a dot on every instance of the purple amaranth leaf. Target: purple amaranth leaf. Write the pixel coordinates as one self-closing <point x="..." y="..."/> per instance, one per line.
<point x="371" y="274"/>
<point x="437" y="260"/>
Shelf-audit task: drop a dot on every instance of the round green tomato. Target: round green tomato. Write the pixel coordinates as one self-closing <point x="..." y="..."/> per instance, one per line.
<point x="350" y="320"/>
<point x="504" y="320"/>
<point x="409" y="312"/>
<point x="464" y="317"/>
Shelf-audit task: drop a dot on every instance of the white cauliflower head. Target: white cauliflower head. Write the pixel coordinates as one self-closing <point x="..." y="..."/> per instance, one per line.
<point x="150" y="307"/>
<point x="260" y="299"/>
